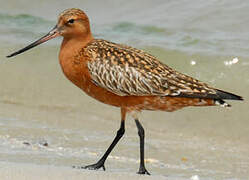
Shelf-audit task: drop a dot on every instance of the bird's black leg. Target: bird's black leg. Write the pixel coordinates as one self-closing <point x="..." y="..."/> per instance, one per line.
<point x="101" y="162"/>
<point x="142" y="169"/>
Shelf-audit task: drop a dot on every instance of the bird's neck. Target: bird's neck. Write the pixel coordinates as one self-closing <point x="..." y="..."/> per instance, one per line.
<point x="71" y="61"/>
<point x="75" y="43"/>
<point x="72" y="45"/>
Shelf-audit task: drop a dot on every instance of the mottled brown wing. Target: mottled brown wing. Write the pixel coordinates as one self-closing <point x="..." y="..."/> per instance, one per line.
<point x="127" y="71"/>
<point x="125" y="80"/>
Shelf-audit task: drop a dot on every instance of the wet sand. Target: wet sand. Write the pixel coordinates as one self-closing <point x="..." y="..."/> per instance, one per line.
<point x="21" y="171"/>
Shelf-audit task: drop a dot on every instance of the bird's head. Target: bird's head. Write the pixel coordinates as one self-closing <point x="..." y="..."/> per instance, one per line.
<point x="72" y="23"/>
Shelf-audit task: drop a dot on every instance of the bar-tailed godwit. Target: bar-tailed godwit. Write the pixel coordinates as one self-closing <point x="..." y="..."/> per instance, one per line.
<point x="124" y="77"/>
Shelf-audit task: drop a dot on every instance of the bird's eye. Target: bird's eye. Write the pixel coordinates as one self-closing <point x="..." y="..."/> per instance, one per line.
<point x="71" y="21"/>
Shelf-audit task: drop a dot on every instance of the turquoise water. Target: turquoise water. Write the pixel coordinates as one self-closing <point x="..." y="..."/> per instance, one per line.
<point x="205" y="39"/>
<point x="211" y="27"/>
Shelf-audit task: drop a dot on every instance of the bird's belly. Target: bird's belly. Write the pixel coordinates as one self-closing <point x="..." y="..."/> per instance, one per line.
<point x="165" y="103"/>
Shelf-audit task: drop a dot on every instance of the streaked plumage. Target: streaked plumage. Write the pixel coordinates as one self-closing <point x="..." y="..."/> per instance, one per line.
<point x="123" y="76"/>
<point x="127" y="71"/>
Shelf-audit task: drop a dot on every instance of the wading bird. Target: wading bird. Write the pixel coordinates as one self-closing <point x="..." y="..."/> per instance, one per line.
<point x="124" y="77"/>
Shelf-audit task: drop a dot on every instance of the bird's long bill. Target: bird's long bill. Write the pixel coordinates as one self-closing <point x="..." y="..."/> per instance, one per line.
<point x="52" y="34"/>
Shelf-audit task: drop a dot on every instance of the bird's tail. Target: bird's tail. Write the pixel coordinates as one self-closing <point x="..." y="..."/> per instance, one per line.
<point x="225" y="95"/>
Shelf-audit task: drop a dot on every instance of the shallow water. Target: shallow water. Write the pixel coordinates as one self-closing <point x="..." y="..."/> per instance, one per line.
<point x="44" y="119"/>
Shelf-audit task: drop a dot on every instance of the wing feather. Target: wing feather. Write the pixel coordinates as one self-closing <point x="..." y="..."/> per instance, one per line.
<point x="127" y="71"/>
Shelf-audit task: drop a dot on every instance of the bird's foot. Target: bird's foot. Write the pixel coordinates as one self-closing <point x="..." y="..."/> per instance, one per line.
<point x="143" y="170"/>
<point x="95" y="166"/>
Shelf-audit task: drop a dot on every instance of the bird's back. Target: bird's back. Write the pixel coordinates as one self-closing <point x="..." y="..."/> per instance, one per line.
<point x="128" y="71"/>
